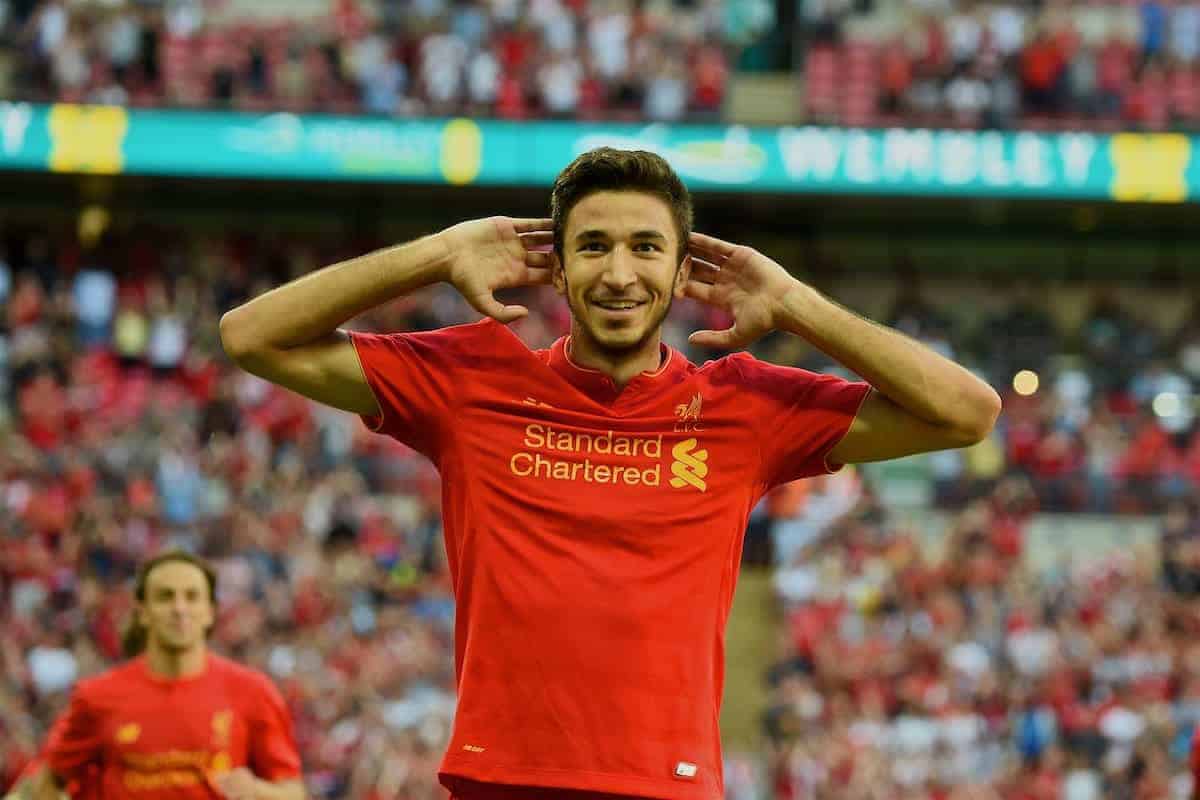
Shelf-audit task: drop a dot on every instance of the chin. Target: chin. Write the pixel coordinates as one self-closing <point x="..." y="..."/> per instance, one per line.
<point x="620" y="341"/>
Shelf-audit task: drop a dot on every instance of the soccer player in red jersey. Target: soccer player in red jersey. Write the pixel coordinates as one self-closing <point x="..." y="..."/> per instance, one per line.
<point x="595" y="493"/>
<point x="176" y="721"/>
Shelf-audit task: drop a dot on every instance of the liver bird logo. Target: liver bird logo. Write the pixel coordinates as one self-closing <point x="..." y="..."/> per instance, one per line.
<point x="690" y="412"/>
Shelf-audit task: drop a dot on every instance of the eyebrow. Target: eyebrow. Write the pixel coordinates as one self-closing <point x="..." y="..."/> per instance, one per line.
<point x="595" y="233"/>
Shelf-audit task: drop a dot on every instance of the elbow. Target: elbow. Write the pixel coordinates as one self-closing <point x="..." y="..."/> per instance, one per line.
<point x="234" y="338"/>
<point x="984" y="411"/>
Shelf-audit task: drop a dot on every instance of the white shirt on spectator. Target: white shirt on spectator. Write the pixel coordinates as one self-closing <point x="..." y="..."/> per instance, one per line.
<point x="608" y="39"/>
<point x="51" y="27"/>
<point x="53" y="669"/>
<point x="559" y="83"/>
<point x="483" y="77"/>
<point x="1185" y="31"/>
<point x="1007" y="25"/>
<point x="963" y="33"/>
<point x="95" y="295"/>
<point x="442" y="59"/>
<point x="168" y="341"/>
<point x="122" y="39"/>
<point x="1081" y="784"/>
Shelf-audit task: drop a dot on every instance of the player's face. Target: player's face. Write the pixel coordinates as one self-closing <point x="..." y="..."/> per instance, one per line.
<point x="620" y="269"/>
<point x="177" y="611"/>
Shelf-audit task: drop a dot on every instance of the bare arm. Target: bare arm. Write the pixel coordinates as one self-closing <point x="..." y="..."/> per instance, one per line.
<point x="921" y="401"/>
<point x="292" y="789"/>
<point x="290" y="335"/>
<point x="41" y="785"/>
<point x="242" y="784"/>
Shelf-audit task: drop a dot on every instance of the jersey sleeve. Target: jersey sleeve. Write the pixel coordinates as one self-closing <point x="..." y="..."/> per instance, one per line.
<point x="801" y="416"/>
<point x="412" y="376"/>
<point x="273" y="753"/>
<point x="76" y="738"/>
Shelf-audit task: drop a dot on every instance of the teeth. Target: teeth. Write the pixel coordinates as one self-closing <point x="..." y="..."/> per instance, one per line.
<point x="619" y="306"/>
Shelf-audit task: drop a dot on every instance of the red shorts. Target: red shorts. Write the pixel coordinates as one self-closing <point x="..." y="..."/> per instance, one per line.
<point x="465" y="789"/>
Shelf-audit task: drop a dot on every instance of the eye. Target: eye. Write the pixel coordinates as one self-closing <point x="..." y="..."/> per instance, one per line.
<point x="593" y="246"/>
<point x="652" y="247"/>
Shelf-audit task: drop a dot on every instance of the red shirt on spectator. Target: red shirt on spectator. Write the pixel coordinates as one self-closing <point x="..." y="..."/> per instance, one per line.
<point x="1041" y="63"/>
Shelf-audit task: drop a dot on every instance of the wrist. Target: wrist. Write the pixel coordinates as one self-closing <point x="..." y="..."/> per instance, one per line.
<point x="437" y="257"/>
<point x="794" y="298"/>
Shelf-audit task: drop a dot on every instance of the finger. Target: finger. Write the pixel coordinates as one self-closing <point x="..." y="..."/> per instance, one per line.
<point x="541" y="242"/>
<point x="537" y="277"/>
<point x="698" y="290"/>
<point x="489" y="306"/>
<point x="704" y="271"/>
<point x="541" y="260"/>
<point x="529" y="225"/>
<point x="710" y="244"/>
<point x="537" y="238"/>
<point x="719" y="340"/>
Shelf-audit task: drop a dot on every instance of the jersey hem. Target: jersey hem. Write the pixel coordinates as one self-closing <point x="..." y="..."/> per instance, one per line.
<point x="582" y="780"/>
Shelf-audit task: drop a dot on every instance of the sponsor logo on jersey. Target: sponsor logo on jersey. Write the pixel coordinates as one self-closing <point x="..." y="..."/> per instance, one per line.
<point x="128" y="733"/>
<point x="688" y="415"/>
<point x="690" y="466"/>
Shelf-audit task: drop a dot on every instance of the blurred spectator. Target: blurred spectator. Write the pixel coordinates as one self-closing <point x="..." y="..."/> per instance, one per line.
<point x="1077" y="63"/>
<point x="964" y="674"/>
<point x="560" y="59"/>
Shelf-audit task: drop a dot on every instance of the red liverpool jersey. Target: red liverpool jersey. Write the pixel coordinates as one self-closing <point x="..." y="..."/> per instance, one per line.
<point x="131" y="734"/>
<point x="593" y="536"/>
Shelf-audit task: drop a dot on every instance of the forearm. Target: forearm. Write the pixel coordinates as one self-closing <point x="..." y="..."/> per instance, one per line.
<point x="313" y="306"/>
<point x="280" y="790"/>
<point x="908" y="373"/>
<point x="41" y="785"/>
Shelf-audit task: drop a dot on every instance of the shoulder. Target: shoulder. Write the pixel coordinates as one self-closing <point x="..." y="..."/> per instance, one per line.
<point x="230" y="670"/>
<point x="744" y="369"/>
<point x="108" y="686"/>
<point x="250" y="682"/>
<point x="468" y="342"/>
<point x="451" y="336"/>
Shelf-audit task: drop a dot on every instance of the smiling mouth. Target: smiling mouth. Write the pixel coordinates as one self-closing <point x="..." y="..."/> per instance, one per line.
<point x="618" y="305"/>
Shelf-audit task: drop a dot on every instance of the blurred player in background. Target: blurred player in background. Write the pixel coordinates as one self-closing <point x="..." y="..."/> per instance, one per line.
<point x="175" y="721"/>
<point x="595" y="494"/>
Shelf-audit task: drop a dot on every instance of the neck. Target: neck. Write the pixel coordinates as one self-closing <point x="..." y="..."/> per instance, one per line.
<point x="621" y="367"/>
<point x="176" y="663"/>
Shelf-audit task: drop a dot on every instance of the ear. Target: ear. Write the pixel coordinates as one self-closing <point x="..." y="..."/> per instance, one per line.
<point x="557" y="275"/>
<point x="682" y="274"/>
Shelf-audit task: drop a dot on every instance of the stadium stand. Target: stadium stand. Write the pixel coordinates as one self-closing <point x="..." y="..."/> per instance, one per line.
<point x="507" y="59"/>
<point x="1082" y="64"/>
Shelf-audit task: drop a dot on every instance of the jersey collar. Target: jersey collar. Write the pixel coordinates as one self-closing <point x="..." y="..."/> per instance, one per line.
<point x="600" y="386"/>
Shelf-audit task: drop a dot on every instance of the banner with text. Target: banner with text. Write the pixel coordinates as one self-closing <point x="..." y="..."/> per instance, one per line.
<point x="113" y="140"/>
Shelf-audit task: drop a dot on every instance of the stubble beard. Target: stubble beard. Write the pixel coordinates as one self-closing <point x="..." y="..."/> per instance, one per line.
<point x="652" y="327"/>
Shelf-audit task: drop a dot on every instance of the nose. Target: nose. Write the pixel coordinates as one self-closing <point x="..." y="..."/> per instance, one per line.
<point x="618" y="273"/>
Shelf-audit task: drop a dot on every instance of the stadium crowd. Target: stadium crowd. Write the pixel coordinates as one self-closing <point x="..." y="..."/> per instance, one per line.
<point x="124" y="430"/>
<point x="510" y="59"/>
<point x="1107" y="64"/>
<point x="967" y="675"/>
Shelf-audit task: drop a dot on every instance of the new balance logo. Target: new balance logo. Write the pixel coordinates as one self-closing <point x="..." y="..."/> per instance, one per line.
<point x="689" y="467"/>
